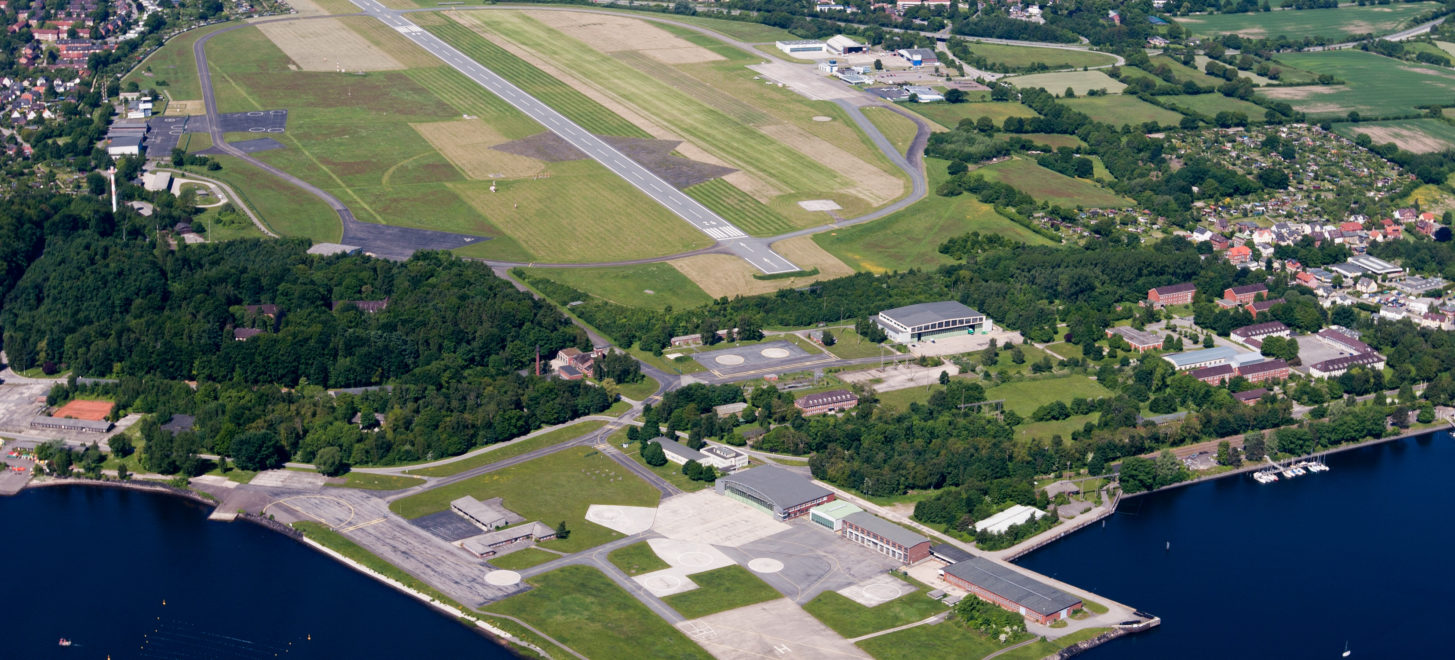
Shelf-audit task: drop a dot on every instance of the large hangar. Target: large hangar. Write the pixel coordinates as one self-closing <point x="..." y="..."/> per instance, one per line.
<point x="913" y="323"/>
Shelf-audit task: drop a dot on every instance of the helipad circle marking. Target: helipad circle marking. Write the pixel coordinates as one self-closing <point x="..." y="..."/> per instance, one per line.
<point x="882" y="591"/>
<point x="765" y="565"/>
<point x="729" y="360"/>
<point x="502" y="578"/>
<point x="776" y="353"/>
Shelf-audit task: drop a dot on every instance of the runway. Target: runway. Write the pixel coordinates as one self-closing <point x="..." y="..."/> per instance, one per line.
<point x="755" y="252"/>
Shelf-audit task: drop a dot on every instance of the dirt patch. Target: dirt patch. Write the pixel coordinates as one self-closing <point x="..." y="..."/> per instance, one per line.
<point x="1427" y="72"/>
<point x="611" y="34"/>
<point x="1408" y="139"/>
<point x="467" y="143"/>
<point x="326" y="44"/>
<point x="727" y="275"/>
<point x="655" y="155"/>
<point x="85" y="409"/>
<point x="867" y="181"/>
<point x="1299" y="93"/>
<point x="185" y="108"/>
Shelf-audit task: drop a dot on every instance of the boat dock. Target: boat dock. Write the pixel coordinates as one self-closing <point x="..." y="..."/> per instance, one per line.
<point x="1294" y="468"/>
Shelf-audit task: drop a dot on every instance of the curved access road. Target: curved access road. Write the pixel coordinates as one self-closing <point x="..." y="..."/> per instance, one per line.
<point x="387" y="241"/>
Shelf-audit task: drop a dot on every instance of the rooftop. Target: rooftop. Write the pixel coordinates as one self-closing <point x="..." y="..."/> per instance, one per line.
<point x="1012" y="585"/>
<point x="837" y="509"/>
<point x="777" y="485"/>
<point x="913" y="315"/>
<point x="1204" y="355"/>
<point x="1175" y="288"/>
<point x="885" y="529"/>
<point x="676" y="448"/>
<point x="1259" y="329"/>
<point x="825" y="398"/>
<point x="950" y="553"/>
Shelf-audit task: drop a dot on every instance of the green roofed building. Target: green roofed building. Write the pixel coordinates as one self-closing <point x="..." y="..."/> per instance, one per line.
<point x="832" y="515"/>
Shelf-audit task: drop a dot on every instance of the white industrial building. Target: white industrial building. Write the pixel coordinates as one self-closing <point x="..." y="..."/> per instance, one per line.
<point x="801" y="46"/>
<point x="156" y="181"/>
<point x="842" y="45"/>
<point x="124" y="145"/>
<point x="913" y="323"/>
<point x="1016" y="515"/>
<point x="924" y="94"/>
<point x="726" y="459"/>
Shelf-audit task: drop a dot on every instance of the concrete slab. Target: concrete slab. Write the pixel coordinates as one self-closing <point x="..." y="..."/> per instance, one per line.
<point x="447" y="526"/>
<point x="957" y="344"/>
<point x="814" y="560"/>
<point x="900" y="376"/>
<point x="625" y="519"/>
<point x="289" y="479"/>
<point x="665" y="582"/>
<point x="766" y="357"/>
<point x="502" y="578"/>
<point x="928" y="572"/>
<point x="877" y="590"/>
<point x="214" y="481"/>
<point x="775" y="629"/>
<point x="819" y="204"/>
<point x="689" y="556"/>
<point x="710" y="518"/>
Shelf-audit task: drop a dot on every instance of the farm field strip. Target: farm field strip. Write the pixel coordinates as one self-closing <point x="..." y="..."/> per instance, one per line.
<point x="1343" y="21"/>
<point x="1211" y="104"/>
<point x="1043" y="184"/>
<point x="1023" y="56"/>
<point x="774" y="151"/>
<point x="1117" y="110"/>
<point x="1080" y="82"/>
<point x="1420" y="136"/>
<point x="1374" y="85"/>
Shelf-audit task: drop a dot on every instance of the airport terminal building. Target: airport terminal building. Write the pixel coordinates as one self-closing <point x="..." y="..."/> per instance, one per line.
<point x="910" y="324"/>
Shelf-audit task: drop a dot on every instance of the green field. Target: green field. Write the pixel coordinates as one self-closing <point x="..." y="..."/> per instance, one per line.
<point x="951" y="114"/>
<point x="851" y="619"/>
<point x="284" y="208"/>
<point x="911" y="238"/>
<point x="523" y="558"/>
<point x="1024" y="397"/>
<point x="1052" y="140"/>
<point x="1080" y="82"/>
<point x="1209" y="105"/>
<point x="1375" y="85"/>
<point x="1419" y="136"/>
<point x="849" y="345"/>
<point x="589" y="613"/>
<point x="720" y="590"/>
<point x="1334" y="23"/>
<point x="1046" y="185"/>
<point x="740" y="208"/>
<point x="897" y="128"/>
<point x="174" y="64"/>
<point x="517" y="448"/>
<point x="636" y="559"/>
<point x="1009" y="57"/>
<point x="722" y="111"/>
<point x="553" y="488"/>
<point x="1119" y="110"/>
<point x="942" y="640"/>
<point x="1183" y="72"/>
<point x="369" y="481"/>
<point x="652" y="286"/>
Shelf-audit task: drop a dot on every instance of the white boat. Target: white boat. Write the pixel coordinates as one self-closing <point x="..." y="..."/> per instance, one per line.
<point x="1288" y="474"/>
<point x="1265" y="477"/>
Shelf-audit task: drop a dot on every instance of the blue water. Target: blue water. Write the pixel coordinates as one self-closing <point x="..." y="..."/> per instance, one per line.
<point x="95" y="565"/>
<point x="1292" y="569"/>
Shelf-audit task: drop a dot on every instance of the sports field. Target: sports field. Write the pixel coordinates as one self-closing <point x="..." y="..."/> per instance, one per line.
<point x="1054" y="187"/>
<point x="1344" y="21"/>
<point x="911" y="238"/>
<point x="1023" y="56"/>
<point x="689" y="88"/>
<point x="1119" y="110"/>
<point x="951" y="114"/>
<point x="92" y="409"/>
<point x="1025" y="396"/>
<point x="417" y="147"/>
<point x="1375" y="85"/>
<point x="1211" y="104"/>
<point x="1420" y="136"/>
<point x="1080" y="82"/>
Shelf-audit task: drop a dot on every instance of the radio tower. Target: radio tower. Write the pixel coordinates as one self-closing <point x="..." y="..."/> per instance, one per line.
<point x="112" y="174"/>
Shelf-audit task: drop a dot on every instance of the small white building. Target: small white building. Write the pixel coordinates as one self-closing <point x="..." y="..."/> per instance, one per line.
<point x="1016" y="515"/>
<point x="156" y="181"/>
<point x="124" y="145"/>
<point x="723" y="458"/>
<point x="924" y="94"/>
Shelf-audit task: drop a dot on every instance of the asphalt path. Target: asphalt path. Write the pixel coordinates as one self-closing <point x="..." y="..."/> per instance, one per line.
<point x="676" y="201"/>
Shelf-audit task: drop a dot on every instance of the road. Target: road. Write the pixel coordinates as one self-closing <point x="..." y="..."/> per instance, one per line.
<point x="1397" y="36"/>
<point x="676" y="201"/>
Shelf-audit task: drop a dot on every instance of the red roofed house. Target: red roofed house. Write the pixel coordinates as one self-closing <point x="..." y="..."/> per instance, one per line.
<point x="1240" y="254"/>
<point x="1176" y="294"/>
<point x="1350" y="226"/>
<point x="1244" y="294"/>
<point x="827" y="402"/>
<point x="1266" y="370"/>
<point x="574" y="363"/>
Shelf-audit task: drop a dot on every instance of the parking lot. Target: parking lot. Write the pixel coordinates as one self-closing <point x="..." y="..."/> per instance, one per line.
<point x="957" y="344"/>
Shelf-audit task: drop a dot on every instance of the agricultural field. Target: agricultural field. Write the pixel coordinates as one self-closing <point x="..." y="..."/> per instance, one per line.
<point x="1080" y="82"/>
<point x="1420" y="136"/>
<point x="1209" y="105"/>
<point x="1183" y="72"/>
<point x="1345" y="21"/>
<point x="650" y="286"/>
<point x="1375" y="85"/>
<point x="786" y="148"/>
<point x="1015" y="57"/>
<point x="951" y="114"/>
<point x="553" y="488"/>
<point x="911" y="238"/>
<point x="1119" y="110"/>
<point x="1054" y="187"/>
